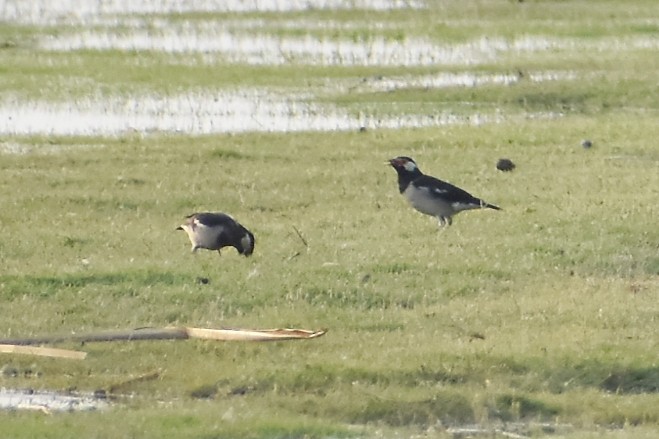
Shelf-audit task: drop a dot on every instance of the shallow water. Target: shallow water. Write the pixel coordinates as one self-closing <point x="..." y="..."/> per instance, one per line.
<point x="266" y="49"/>
<point x="464" y="79"/>
<point x="46" y="401"/>
<point x="144" y="25"/>
<point x="49" y="12"/>
<point x="203" y="113"/>
<point x="247" y="42"/>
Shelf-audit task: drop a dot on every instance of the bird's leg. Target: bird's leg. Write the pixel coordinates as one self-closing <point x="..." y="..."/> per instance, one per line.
<point x="444" y="221"/>
<point x="218" y="252"/>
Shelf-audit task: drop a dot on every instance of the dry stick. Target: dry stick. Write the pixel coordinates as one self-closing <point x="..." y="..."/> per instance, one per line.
<point x="133" y="334"/>
<point x="304" y="241"/>
<point x="145" y="377"/>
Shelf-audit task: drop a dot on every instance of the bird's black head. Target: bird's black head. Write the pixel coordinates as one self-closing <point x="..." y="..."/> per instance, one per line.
<point x="405" y="166"/>
<point x="245" y="244"/>
<point x="407" y="171"/>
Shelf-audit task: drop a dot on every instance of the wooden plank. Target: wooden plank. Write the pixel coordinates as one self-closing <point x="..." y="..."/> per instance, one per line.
<point x="41" y="351"/>
<point x="252" y="334"/>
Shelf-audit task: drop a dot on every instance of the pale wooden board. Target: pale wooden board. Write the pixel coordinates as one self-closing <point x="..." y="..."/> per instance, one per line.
<point x="252" y="334"/>
<point x="41" y="351"/>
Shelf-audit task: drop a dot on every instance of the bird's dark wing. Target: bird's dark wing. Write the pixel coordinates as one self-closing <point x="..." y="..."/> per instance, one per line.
<point x="231" y="232"/>
<point x="214" y="219"/>
<point x="445" y="191"/>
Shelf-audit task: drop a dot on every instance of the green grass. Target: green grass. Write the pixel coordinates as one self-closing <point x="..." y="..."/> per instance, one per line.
<point x="541" y="317"/>
<point x="541" y="312"/>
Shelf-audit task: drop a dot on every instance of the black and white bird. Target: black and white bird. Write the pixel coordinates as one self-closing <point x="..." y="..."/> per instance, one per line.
<point x="432" y="196"/>
<point x="214" y="231"/>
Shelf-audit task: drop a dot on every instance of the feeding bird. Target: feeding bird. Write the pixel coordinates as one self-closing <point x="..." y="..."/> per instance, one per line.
<point x="432" y="196"/>
<point x="214" y="231"/>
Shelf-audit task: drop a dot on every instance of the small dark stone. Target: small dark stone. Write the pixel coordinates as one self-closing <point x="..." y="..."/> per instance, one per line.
<point x="10" y="371"/>
<point x="241" y="390"/>
<point x="505" y="165"/>
<point x="203" y="280"/>
<point x="586" y="143"/>
<point x="100" y="394"/>
<point x="362" y="129"/>
<point x="204" y="392"/>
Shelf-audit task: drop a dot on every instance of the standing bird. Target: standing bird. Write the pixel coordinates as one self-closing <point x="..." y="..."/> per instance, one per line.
<point x="432" y="196"/>
<point x="213" y="231"/>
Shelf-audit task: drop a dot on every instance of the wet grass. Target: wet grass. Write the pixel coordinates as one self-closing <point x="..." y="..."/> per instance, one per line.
<point x="39" y="74"/>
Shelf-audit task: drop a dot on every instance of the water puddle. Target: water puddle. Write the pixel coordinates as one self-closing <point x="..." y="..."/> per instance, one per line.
<point x="465" y="79"/>
<point x="202" y="113"/>
<point x="230" y="114"/>
<point x="47" y="401"/>
<point x="118" y="25"/>
<point x="243" y="110"/>
<point x="256" y="48"/>
<point x="266" y="49"/>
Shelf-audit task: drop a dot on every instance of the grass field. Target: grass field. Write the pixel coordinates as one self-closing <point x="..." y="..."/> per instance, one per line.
<point x="538" y="320"/>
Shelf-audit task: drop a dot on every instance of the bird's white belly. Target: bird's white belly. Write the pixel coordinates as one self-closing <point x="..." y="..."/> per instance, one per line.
<point x="204" y="236"/>
<point x="424" y="202"/>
